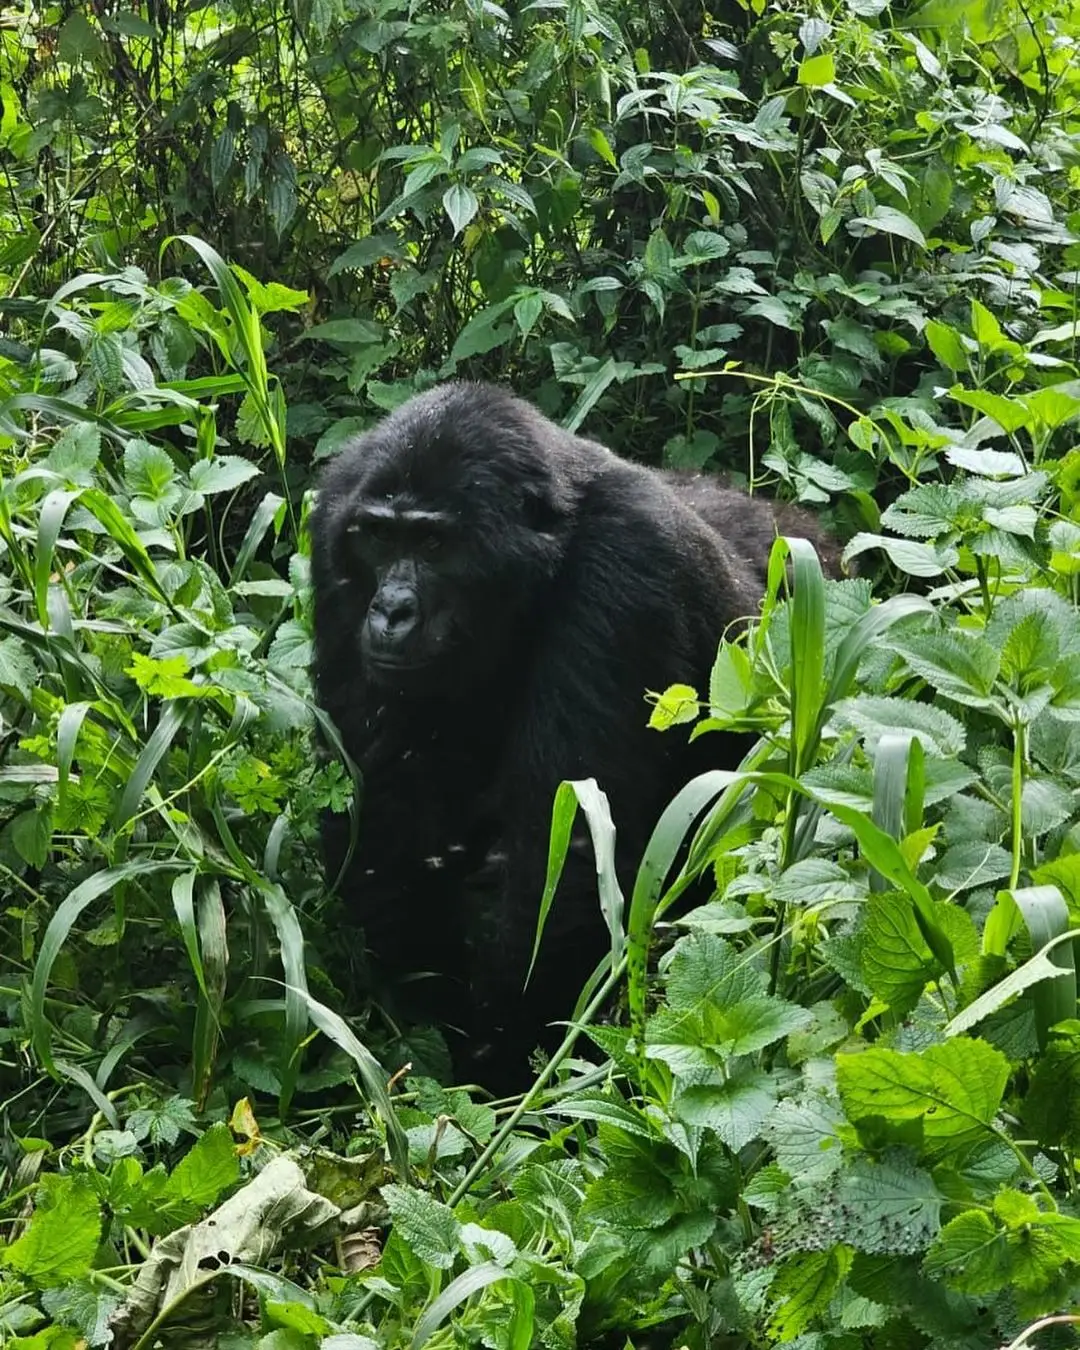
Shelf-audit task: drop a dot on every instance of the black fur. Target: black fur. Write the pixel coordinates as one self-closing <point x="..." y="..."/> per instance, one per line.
<point x="581" y="581"/>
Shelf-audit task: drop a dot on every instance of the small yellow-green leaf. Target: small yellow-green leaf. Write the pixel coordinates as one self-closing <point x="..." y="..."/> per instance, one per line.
<point x="602" y="146"/>
<point x="818" y="70"/>
<point x="676" y="706"/>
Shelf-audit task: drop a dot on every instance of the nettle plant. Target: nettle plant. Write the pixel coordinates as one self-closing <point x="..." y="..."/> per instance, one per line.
<point x="871" y="1012"/>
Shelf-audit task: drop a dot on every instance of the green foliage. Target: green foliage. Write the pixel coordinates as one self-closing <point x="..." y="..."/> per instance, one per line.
<point x="829" y="248"/>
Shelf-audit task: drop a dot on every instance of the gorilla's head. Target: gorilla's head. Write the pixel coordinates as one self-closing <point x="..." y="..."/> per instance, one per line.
<point x="445" y="524"/>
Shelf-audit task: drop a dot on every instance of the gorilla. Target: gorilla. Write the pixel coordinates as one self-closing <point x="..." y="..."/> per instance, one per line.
<point x="492" y="598"/>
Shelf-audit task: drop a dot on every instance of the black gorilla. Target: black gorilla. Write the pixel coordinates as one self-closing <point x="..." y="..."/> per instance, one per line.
<point x="492" y="598"/>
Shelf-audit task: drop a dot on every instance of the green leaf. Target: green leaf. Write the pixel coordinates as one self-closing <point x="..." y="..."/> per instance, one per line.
<point x="346" y="332"/>
<point x="221" y="474"/>
<point x="17" y="668"/>
<point x="736" y="1108"/>
<point x="894" y="958"/>
<point x="918" y="560"/>
<point x="803" y="1288"/>
<point x="874" y="716"/>
<point x="1051" y="1107"/>
<point x="486" y="330"/>
<point x="75" y="453"/>
<point x="1009" y="413"/>
<point x="587" y="795"/>
<point x="986" y="328"/>
<point x="1052" y="406"/>
<point x="931" y="200"/>
<point x="812" y="880"/>
<point x="610" y="1110"/>
<point x="148" y="470"/>
<point x="960" y="665"/>
<point x="61" y="1241"/>
<point x="971" y="1254"/>
<point x="888" y="220"/>
<point x="460" y="204"/>
<point x="60" y="925"/>
<point x="676" y="706"/>
<point x="731" y="682"/>
<point x="31" y="834"/>
<point x="78" y="40"/>
<point x="466" y="1284"/>
<point x="202" y="1176"/>
<point x="986" y="463"/>
<point x="602" y="146"/>
<point x="527" y="310"/>
<point x="222" y="155"/>
<point x="428" y="1227"/>
<point x="816" y="71"/>
<point x="947" y="345"/>
<point x="954" y="1089"/>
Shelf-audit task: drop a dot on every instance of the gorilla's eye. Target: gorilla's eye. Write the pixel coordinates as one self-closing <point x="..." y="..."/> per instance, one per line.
<point x="432" y="543"/>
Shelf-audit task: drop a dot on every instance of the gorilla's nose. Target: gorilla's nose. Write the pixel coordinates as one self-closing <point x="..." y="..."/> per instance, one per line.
<point x="394" y="614"/>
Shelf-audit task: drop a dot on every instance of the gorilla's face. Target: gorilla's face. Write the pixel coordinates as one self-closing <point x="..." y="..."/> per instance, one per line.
<point x="414" y="567"/>
<point x="447" y="529"/>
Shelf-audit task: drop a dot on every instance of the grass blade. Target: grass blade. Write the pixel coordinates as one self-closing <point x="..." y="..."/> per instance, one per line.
<point x="214" y="947"/>
<point x="457" y="1291"/>
<point x="586" y="794"/>
<point x="371" y="1074"/>
<point x="664" y="844"/>
<point x="60" y="925"/>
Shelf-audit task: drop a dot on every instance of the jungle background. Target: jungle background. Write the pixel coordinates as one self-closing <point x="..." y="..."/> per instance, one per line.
<point x="830" y="249"/>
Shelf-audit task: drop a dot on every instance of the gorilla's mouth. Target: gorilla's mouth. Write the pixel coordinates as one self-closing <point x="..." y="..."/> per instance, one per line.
<point x="387" y="661"/>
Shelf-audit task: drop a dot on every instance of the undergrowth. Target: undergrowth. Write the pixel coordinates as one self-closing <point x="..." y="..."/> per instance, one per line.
<point x="840" y="1104"/>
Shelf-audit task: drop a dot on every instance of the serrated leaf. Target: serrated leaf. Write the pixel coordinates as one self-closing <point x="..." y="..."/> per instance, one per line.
<point x="731" y="682"/>
<point x="75" y="453"/>
<point x="806" y="1136"/>
<point x="61" y="1241"/>
<point x="961" y="666"/>
<point x="676" y="706"/>
<point x="955" y="1088"/>
<point x="874" y="716"/>
<point x="148" y="470"/>
<point x="291" y="647"/>
<point x="428" y="1227"/>
<point x="736" y="1108"/>
<point x="207" y="1171"/>
<point x="31" y="834"/>
<point x="804" y="1288"/>
<point x="813" y="880"/>
<point x="17" y="668"/>
<point x="888" y="1207"/>
<point x="221" y="474"/>
<point x="971" y="1255"/>
<point x="895" y="960"/>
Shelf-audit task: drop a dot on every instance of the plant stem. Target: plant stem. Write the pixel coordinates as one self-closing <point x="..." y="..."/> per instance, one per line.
<point x="1019" y="743"/>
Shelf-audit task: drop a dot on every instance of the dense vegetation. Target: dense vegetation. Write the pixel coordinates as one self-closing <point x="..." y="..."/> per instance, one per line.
<point x="830" y="248"/>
